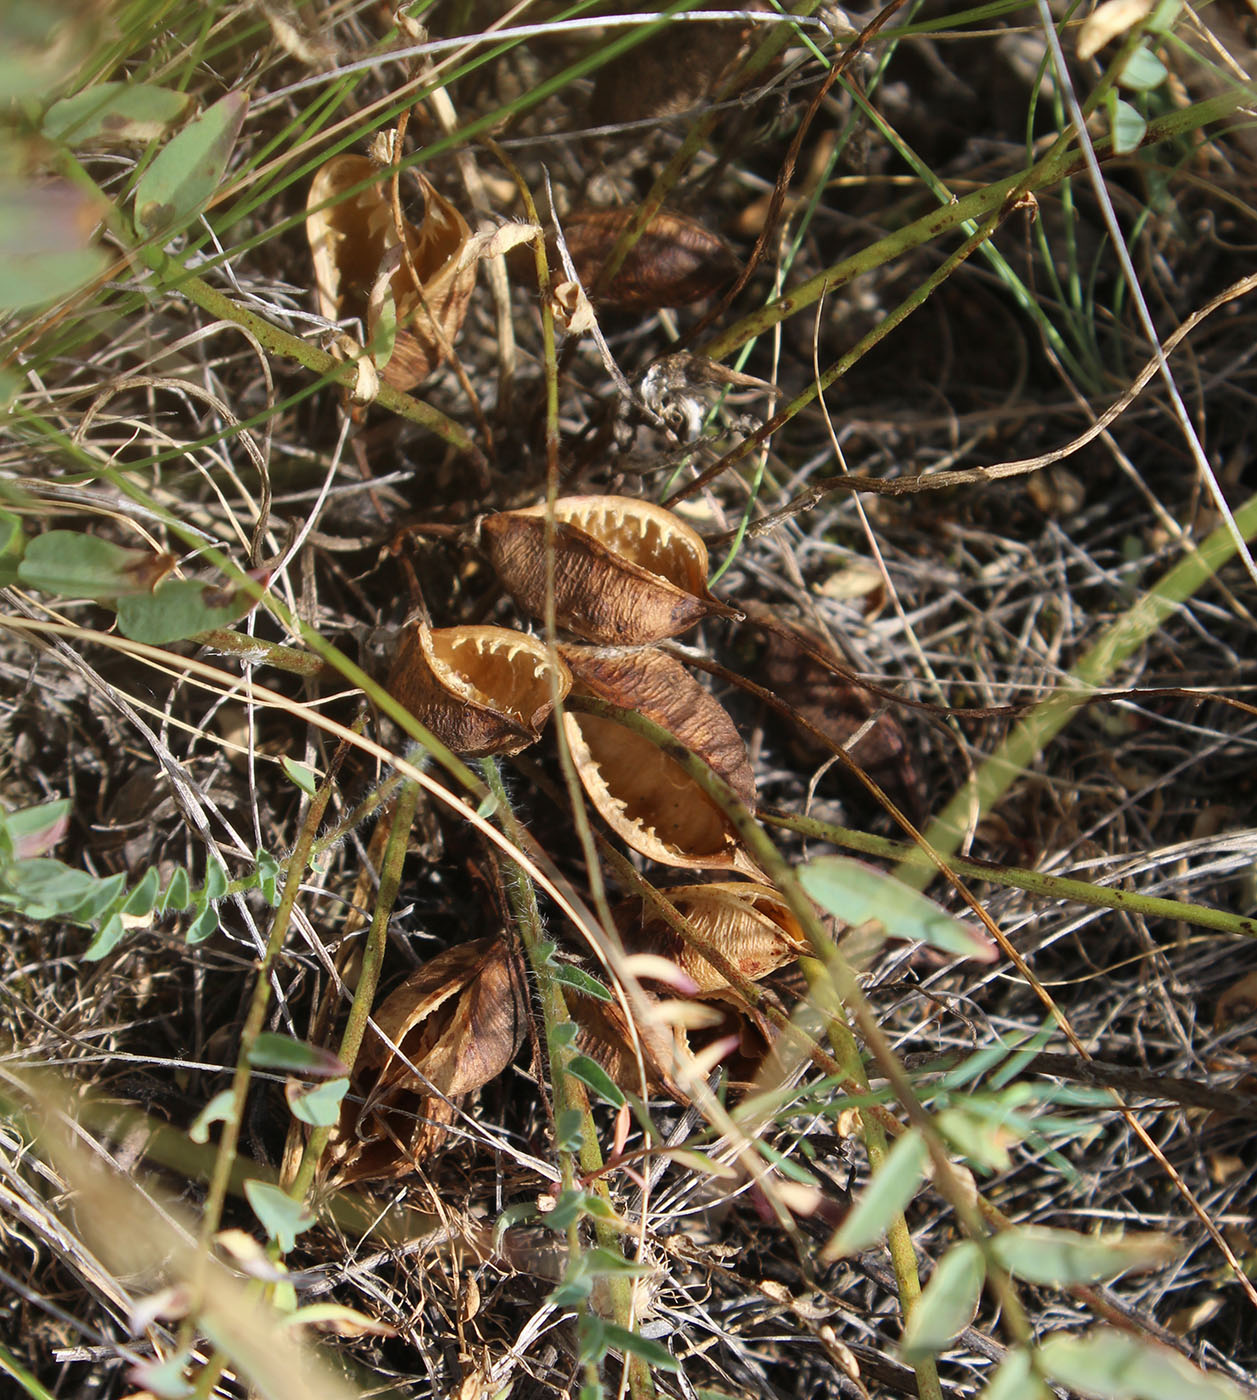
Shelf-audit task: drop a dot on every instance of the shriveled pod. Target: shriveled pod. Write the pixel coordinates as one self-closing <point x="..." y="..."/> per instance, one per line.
<point x="625" y="571"/>
<point x="457" y="1023"/>
<point x="645" y="796"/>
<point x="749" y="924"/>
<point x="480" y="690"/>
<point x="360" y="266"/>
<point x="675" y="262"/>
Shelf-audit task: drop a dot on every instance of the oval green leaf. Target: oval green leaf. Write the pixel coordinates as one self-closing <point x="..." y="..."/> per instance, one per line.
<point x="78" y="565"/>
<point x="947" y="1304"/>
<point x="112" y="113"/>
<point x="320" y="1105"/>
<point x="185" y="174"/>
<point x="282" y="1218"/>
<point x="1059" y="1258"/>
<point x="893" y="1185"/>
<point x="1118" y="1366"/>
<point x="1128" y="126"/>
<point x="1144" y="71"/>
<point x="281" y="1052"/>
<point x="858" y="893"/>
<point x="1015" y="1380"/>
<point x="180" y="608"/>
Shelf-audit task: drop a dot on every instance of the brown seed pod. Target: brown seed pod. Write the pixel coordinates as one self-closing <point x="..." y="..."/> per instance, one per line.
<point x="675" y="262"/>
<point x="748" y="923"/>
<point x="480" y="690"/>
<point x="625" y="571"/>
<point x="646" y="797"/>
<point x="457" y="1023"/>
<point x="359" y="265"/>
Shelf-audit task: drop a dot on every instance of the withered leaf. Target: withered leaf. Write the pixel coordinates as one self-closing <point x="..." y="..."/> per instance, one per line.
<point x="645" y="796"/>
<point x="675" y="262"/>
<point x="457" y="1023"/>
<point x="361" y="270"/>
<point x="480" y="690"/>
<point x="625" y="571"/>
<point x="746" y="922"/>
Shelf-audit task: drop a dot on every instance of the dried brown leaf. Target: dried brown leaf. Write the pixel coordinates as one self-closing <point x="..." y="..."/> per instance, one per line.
<point x="359" y="265"/>
<point x="645" y="796"/>
<point x="480" y="690"/>
<point x="625" y="571"/>
<point x="675" y="262"/>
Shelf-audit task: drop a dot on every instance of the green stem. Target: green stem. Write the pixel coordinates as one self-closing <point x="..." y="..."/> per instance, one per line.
<point x="1034" y="881"/>
<point x="403" y="816"/>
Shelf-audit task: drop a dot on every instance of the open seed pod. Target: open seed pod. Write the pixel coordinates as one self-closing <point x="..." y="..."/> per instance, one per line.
<point x="646" y="797"/>
<point x="748" y="923"/>
<point x="625" y="571"/>
<point x="457" y="1022"/>
<point x="359" y="265"/>
<point x="480" y="690"/>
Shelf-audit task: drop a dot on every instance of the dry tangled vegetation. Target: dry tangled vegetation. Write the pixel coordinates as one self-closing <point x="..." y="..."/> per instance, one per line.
<point x="638" y="1039"/>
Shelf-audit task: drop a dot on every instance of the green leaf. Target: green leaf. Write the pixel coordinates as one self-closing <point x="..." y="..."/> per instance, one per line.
<point x="300" y="774"/>
<point x="219" y="1110"/>
<point x="1144" y="71"/>
<point x="282" y="1218"/>
<point x="281" y="1052"/>
<point x="1127" y="125"/>
<point x="562" y="1035"/>
<point x="592" y="1075"/>
<point x="179" y="892"/>
<point x="183" y="177"/>
<point x="981" y="1139"/>
<point x="108" y="936"/>
<point x="1064" y="1257"/>
<point x="41" y="43"/>
<point x="580" y="981"/>
<point x="97" y="901"/>
<point x="947" y="1304"/>
<point x="43" y="887"/>
<point x="1015" y="1380"/>
<point x="180" y="608"/>
<point x="78" y="565"/>
<point x="216" y="881"/>
<point x="320" y="1105"/>
<point x="268" y="876"/>
<point x="12" y="545"/>
<point x="143" y="897"/>
<point x="653" y="1353"/>
<point x="858" y="893"/>
<point x="114" y="113"/>
<point x="568" y="1130"/>
<point x="1118" y="1366"/>
<point x="204" y="924"/>
<point x="36" y="830"/>
<point x="46" y="243"/>
<point x="893" y="1185"/>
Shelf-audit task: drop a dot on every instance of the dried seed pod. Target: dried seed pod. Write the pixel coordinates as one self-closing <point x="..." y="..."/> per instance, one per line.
<point x="646" y="797"/>
<point x="675" y="262"/>
<point x="480" y="690"/>
<point x="625" y="571"/>
<point x="457" y="1023"/>
<point x="748" y="923"/>
<point x="360" y="266"/>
